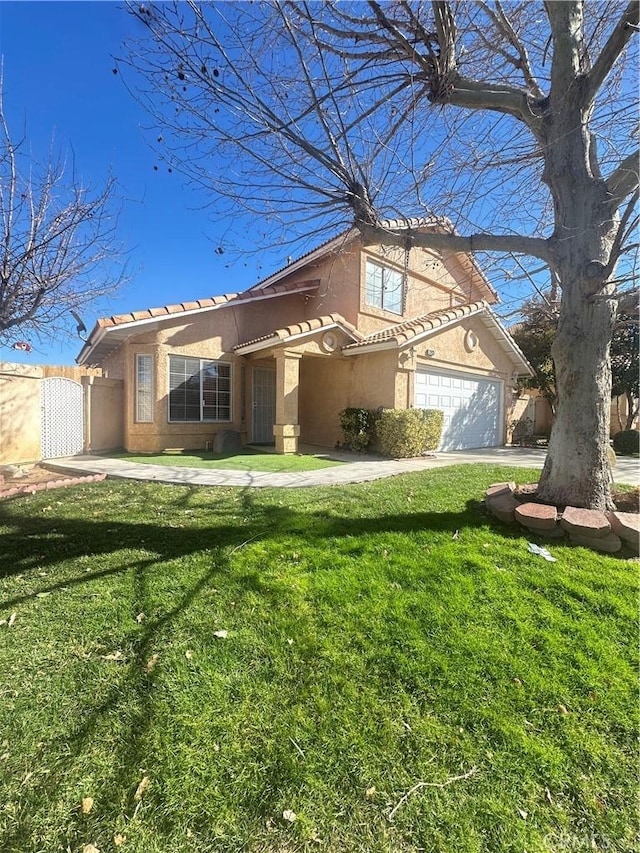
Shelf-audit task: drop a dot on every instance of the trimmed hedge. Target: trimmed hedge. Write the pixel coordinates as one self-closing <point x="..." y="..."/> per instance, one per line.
<point x="403" y="433"/>
<point x="357" y="427"/>
<point x="627" y="442"/>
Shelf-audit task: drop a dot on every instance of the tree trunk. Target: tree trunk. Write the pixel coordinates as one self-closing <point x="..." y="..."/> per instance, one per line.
<point x="576" y="471"/>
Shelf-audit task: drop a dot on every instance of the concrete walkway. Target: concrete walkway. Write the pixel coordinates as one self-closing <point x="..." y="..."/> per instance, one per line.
<point x="357" y="469"/>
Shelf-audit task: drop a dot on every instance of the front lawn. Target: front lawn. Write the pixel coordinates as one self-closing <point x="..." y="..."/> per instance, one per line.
<point x="366" y="668"/>
<point x="246" y="459"/>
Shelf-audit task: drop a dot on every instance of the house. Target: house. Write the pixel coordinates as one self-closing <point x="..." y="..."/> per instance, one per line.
<point x="345" y="325"/>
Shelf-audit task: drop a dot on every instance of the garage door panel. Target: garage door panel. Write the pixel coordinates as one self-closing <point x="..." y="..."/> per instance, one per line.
<point x="471" y="413"/>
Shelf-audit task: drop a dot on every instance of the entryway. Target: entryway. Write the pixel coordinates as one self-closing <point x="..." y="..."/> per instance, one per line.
<point x="62" y="418"/>
<point x="263" y="405"/>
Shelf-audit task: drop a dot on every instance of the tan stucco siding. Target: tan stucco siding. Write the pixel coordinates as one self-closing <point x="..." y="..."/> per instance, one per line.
<point x="451" y="351"/>
<point x="338" y="289"/>
<point x="20" y="401"/>
<point x="324" y="391"/>
<point x="104" y="413"/>
<point x="200" y="338"/>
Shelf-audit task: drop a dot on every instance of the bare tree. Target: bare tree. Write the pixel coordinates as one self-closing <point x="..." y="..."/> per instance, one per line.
<point x="57" y="245"/>
<point x="513" y="122"/>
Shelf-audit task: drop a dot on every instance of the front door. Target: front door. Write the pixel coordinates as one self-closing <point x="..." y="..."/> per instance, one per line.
<point x="264" y="405"/>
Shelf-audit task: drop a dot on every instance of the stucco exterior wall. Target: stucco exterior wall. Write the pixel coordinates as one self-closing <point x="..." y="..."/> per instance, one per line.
<point x="451" y="351"/>
<point x="20" y="402"/>
<point x="325" y="385"/>
<point x="104" y="413"/>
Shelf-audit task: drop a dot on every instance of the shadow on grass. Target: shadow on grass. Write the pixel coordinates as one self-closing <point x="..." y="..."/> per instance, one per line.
<point x="46" y="541"/>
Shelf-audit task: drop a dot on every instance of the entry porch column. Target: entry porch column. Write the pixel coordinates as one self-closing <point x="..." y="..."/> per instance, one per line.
<point x="286" y="429"/>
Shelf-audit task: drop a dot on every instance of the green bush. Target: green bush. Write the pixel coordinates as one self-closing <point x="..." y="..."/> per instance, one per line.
<point x="627" y="442"/>
<point x="357" y="427"/>
<point x="403" y="433"/>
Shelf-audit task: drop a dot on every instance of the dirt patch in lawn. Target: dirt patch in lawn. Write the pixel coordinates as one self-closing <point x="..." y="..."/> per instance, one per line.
<point x="27" y="475"/>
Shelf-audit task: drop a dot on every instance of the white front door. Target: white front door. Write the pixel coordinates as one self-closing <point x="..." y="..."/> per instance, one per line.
<point x="264" y="405"/>
<point x="472" y="407"/>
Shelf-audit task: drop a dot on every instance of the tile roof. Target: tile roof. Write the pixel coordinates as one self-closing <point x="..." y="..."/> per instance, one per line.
<point x="213" y="302"/>
<point x="304" y="327"/>
<point x="403" y="333"/>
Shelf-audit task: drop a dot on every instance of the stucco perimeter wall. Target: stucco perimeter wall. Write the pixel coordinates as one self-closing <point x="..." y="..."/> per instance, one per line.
<point x="104" y="416"/>
<point x="20" y="402"/>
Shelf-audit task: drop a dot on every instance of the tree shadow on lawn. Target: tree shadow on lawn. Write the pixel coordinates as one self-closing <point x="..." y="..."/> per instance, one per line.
<point x="43" y="542"/>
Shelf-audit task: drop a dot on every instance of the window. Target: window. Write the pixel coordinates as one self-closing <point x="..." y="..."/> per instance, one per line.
<point x="199" y="390"/>
<point x="384" y="288"/>
<point x="144" y="389"/>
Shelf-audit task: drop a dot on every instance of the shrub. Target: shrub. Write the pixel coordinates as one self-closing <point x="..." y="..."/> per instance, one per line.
<point x="357" y="427"/>
<point x="627" y="442"/>
<point x="403" y="433"/>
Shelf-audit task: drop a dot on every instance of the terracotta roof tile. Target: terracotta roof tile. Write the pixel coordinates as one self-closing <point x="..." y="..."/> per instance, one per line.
<point x="210" y="302"/>
<point x="308" y="326"/>
<point x="403" y="332"/>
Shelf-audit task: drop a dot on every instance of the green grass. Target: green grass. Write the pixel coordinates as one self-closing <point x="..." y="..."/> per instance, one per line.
<point x="247" y="459"/>
<point x="379" y="636"/>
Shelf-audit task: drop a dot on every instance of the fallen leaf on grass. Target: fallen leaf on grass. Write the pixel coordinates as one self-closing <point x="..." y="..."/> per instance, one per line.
<point x="90" y="848"/>
<point x="12" y="620"/>
<point x="289" y="816"/>
<point x="151" y="663"/>
<point x="119" y="840"/>
<point x="141" y="789"/>
<point x="370" y="792"/>
<point x="188" y="654"/>
<point x="221" y="635"/>
<point x="523" y="814"/>
<point x="140" y="618"/>
<point x="547" y="794"/>
<point x="87" y="804"/>
<point x="562" y="710"/>
<point x="114" y="656"/>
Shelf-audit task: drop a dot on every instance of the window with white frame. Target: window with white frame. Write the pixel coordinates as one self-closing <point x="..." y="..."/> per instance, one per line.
<point x="144" y="389"/>
<point x="384" y="288"/>
<point x="199" y="390"/>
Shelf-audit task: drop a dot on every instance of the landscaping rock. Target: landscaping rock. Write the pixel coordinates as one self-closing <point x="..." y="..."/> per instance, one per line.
<point x="496" y="489"/>
<point x="626" y="525"/>
<point x="585" y="522"/>
<point x="609" y="544"/>
<point x="227" y="441"/>
<point x="503" y="506"/>
<point x="537" y="516"/>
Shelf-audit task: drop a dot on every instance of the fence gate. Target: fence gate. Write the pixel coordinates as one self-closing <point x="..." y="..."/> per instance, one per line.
<point x="62" y="423"/>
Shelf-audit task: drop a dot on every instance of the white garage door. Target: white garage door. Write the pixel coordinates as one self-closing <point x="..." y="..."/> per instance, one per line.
<point x="471" y="405"/>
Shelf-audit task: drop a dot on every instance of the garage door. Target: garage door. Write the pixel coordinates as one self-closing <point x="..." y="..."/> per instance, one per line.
<point x="471" y="405"/>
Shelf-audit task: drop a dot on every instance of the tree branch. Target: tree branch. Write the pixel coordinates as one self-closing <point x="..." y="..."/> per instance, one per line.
<point x="398" y="234"/>
<point x="616" y="44"/>
<point x="624" y="178"/>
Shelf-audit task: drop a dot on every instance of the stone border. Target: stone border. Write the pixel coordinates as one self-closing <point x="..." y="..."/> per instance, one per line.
<point x="31" y="488"/>
<point x="590" y="528"/>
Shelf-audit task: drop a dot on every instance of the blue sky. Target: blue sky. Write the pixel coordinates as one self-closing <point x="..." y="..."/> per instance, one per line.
<point x="58" y="81"/>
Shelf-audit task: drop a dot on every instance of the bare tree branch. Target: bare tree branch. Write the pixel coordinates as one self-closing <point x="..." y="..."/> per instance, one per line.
<point x="57" y="248"/>
<point x="624" y="179"/>
<point x="624" y="30"/>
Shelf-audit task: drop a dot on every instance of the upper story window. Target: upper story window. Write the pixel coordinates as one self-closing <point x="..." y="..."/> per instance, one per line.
<point x="199" y="390"/>
<point x="384" y="288"/>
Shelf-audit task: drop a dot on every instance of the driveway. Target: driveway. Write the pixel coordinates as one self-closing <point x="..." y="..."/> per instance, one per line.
<point x="358" y="469"/>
